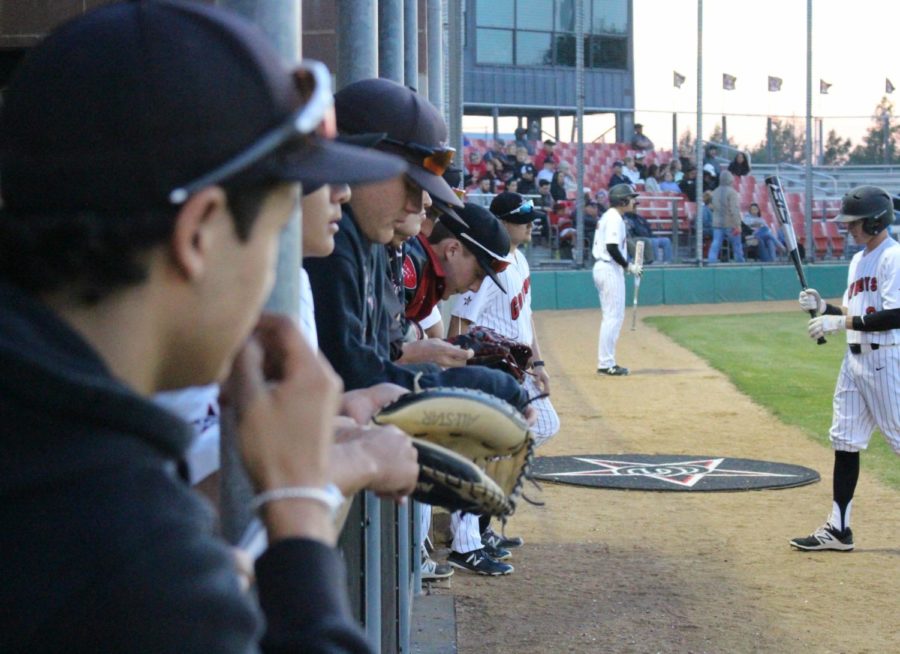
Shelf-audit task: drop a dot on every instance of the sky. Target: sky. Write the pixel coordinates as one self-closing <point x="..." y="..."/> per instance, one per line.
<point x="855" y="47"/>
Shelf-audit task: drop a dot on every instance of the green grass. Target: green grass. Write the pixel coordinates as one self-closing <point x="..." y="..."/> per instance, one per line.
<point x="770" y="359"/>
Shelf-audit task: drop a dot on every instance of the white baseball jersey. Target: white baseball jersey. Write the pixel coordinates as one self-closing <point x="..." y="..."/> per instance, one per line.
<point x="866" y="396"/>
<point x="510" y="314"/>
<point x="609" y="278"/>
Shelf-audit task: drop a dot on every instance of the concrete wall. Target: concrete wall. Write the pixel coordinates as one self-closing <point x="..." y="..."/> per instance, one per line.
<point x="575" y="289"/>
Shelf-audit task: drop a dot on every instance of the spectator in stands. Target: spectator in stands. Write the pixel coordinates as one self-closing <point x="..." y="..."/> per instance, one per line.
<point x="548" y="170"/>
<point x="688" y="183"/>
<point x="526" y="179"/>
<point x="485" y="186"/>
<point x="768" y="246"/>
<point x="476" y="167"/>
<point x="710" y="178"/>
<point x="711" y="155"/>
<point x="739" y="166"/>
<point x="602" y="198"/>
<point x="164" y="285"/>
<point x="509" y="157"/>
<point x="656" y="247"/>
<point x="569" y="180"/>
<point x="512" y="185"/>
<point x="726" y="210"/>
<point x="522" y="141"/>
<point x="668" y="185"/>
<point x="651" y="184"/>
<point x="558" y="187"/>
<point x="675" y="167"/>
<point x="706" y="216"/>
<point x="591" y="216"/>
<point x="640" y="165"/>
<point x="546" y="201"/>
<point x="546" y="151"/>
<point x="639" y="141"/>
<point x="617" y="177"/>
<point x="631" y="172"/>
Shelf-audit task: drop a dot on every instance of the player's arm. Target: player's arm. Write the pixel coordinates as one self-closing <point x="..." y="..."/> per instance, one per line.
<point x="616" y="254"/>
<point x="542" y="377"/>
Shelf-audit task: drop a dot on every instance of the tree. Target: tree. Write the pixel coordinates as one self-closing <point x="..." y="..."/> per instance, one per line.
<point x="787" y="144"/>
<point x="836" y="150"/>
<point x="879" y="145"/>
<point x="687" y="145"/>
<point x="716" y="136"/>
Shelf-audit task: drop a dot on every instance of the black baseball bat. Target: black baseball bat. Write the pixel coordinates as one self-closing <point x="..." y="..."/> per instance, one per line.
<point x="784" y="217"/>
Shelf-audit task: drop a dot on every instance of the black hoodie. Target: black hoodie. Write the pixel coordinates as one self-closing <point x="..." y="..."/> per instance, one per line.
<point x="103" y="548"/>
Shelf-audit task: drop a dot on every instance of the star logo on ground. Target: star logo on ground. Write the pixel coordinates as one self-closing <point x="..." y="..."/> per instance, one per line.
<point x="684" y="473"/>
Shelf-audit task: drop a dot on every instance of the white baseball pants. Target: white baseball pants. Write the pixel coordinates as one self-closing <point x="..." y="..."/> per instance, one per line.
<point x="609" y="278"/>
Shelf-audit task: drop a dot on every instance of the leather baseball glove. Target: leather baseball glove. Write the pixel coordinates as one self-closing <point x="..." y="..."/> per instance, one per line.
<point x="494" y="350"/>
<point x="475" y="450"/>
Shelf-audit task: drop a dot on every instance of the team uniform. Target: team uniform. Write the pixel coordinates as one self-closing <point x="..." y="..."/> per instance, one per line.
<point x="609" y="278"/>
<point x="510" y="314"/>
<point x="866" y="396"/>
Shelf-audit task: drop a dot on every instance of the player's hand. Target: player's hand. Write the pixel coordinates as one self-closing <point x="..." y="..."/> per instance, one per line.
<point x="363" y="403"/>
<point x="822" y="325"/>
<point x="635" y="269"/>
<point x="381" y="459"/>
<point x="435" y="350"/>
<point x="810" y="300"/>
<point x="542" y="379"/>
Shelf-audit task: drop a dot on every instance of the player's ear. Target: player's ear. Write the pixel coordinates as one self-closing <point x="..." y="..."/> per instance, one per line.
<point x="194" y="232"/>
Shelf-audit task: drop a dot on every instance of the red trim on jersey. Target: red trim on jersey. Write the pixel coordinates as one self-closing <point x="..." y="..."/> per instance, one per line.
<point x="431" y="285"/>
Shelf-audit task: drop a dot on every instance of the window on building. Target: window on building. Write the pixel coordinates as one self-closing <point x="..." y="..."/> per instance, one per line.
<point x="542" y="33"/>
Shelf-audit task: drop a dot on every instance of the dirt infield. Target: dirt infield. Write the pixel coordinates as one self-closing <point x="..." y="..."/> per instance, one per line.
<point x="617" y="571"/>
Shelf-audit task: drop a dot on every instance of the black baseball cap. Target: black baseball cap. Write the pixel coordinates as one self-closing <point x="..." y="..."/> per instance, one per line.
<point x="484" y="237"/>
<point x="513" y="208"/>
<point x="414" y="127"/>
<point x="140" y="104"/>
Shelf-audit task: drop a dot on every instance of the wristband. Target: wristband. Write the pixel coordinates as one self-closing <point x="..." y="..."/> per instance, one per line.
<point x="537" y="364"/>
<point x="330" y="496"/>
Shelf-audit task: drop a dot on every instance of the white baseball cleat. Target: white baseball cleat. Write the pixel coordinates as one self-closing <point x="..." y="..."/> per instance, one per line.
<point x="825" y="537"/>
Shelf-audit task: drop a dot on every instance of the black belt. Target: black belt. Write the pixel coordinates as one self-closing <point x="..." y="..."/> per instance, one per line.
<point x="856" y="348"/>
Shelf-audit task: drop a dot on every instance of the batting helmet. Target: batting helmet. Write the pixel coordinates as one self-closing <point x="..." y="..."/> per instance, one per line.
<point x="871" y="204"/>
<point x="620" y="194"/>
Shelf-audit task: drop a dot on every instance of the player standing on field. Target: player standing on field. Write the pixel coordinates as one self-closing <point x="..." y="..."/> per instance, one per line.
<point x="609" y="275"/>
<point x="866" y="396"/>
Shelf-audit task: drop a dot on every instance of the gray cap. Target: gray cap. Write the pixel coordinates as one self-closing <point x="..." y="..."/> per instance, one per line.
<point x="620" y="193"/>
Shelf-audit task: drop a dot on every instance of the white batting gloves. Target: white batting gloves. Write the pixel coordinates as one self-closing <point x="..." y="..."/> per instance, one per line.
<point x="635" y="269"/>
<point x="822" y="325"/>
<point x="810" y="300"/>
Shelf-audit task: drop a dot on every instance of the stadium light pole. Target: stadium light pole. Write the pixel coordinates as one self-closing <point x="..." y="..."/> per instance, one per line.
<point x="698" y="196"/>
<point x="579" y="119"/>
<point x="807" y="206"/>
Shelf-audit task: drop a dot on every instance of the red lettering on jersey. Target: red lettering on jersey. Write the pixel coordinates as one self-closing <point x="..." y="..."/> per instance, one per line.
<point x="410" y="279"/>
<point x="514" y="307"/>
<point x="873" y="284"/>
<point x="526" y="286"/>
<point x="862" y="284"/>
<point x="870" y="310"/>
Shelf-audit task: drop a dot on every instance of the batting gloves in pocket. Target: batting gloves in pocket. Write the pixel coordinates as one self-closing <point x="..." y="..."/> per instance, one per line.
<point x="810" y="300"/>
<point x="822" y="325"/>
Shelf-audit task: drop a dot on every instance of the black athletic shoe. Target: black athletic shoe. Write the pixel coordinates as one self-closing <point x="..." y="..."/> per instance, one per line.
<point x="497" y="553"/>
<point x="615" y="371"/>
<point x="479" y="563"/>
<point x="825" y="537"/>
<point x="431" y="569"/>
<point x="492" y="538"/>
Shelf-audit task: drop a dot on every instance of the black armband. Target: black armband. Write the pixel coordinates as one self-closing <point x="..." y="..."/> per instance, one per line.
<point x="832" y="310"/>
<point x="880" y="321"/>
<point x="616" y="255"/>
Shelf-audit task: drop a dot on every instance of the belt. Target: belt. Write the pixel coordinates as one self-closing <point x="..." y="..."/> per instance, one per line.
<point x="859" y="348"/>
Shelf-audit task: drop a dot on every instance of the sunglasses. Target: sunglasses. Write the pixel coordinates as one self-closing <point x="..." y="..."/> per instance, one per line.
<point x="315" y="117"/>
<point x="497" y="263"/>
<point x="526" y="207"/>
<point x="434" y="160"/>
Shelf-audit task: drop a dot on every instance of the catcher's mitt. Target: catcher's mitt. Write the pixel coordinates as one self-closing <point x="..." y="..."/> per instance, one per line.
<point x="475" y="450"/>
<point x="494" y="350"/>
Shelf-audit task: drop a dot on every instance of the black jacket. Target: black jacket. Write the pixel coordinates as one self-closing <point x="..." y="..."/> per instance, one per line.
<point x="354" y="326"/>
<point x="104" y="548"/>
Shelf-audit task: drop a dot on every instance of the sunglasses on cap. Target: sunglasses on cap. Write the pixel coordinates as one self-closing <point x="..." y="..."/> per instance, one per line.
<point x="497" y="263"/>
<point x="316" y="116"/>
<point x="526" y="207"/>
<point x="434" y="160"/>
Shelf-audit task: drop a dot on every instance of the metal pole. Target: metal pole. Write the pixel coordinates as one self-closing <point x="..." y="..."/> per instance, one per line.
<point x="579" y="119"/>
<point x="435" y="46"/>
<point x="281" y="23"/>
<point x="769" y="152"/>
<point x="455" y="30"/>
<point x="674" y="134"/>
<point x="390" y="40"/>
<point x="807" y="205"/>
<point x="357" y="41"/>
<point x="725" y="129"/>
<point x="495" y="116"/>
<point x="885" y="130"/>
<point x="372" y="591"/>
<point x="411" y="43"/>
<point x="556" y="125"/>
<point x="699" y="144"/>
<point x="404" y="576"/>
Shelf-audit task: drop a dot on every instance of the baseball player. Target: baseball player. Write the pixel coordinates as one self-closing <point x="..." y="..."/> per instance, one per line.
<point x="866" y="395"/>
<point x="609" y="275"/>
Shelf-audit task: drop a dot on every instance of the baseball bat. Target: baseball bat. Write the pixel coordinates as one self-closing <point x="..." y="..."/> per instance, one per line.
<point x="638" y="260"/>
<point x="776" y="192"/>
